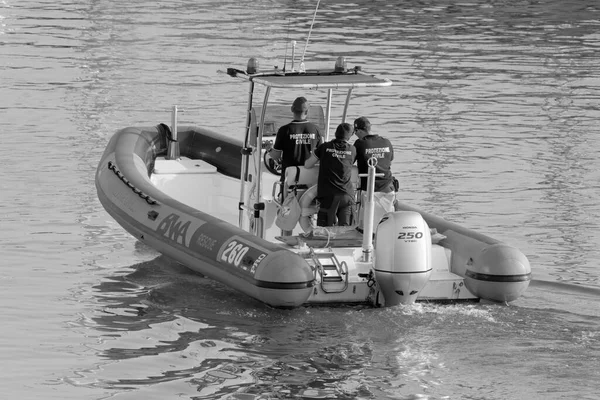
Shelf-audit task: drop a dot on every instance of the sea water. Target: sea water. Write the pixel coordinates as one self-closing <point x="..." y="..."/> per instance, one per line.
<point x="494" y="120"/>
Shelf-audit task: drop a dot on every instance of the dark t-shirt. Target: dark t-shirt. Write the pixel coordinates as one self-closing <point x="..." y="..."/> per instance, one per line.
<point x="335" y="170"/>
<point x="380" y="148"/>
<point x="296" y="140"/>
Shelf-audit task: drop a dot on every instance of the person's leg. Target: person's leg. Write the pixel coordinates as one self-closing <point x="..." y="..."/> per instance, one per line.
<point x="322" y="217"/>
<point x="323" y="213"/>
<point x="345" y="210"/>
<point x="332" y="211"/>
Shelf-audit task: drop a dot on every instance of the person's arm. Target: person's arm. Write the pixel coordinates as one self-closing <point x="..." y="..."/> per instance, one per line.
<point x="275" y="154"/>
<point x="311" y="162"/>
<point x="277" y="150"/>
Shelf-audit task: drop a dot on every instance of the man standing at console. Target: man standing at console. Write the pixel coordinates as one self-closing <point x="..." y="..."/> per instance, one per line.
<point x="335" y="190"/>
<point x="370" y="145"/>
<point x="295" y="141"/>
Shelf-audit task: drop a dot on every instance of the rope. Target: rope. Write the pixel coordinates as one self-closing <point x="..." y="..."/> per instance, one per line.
<point x="137" y="191"/>
<point x="328" y="237"/>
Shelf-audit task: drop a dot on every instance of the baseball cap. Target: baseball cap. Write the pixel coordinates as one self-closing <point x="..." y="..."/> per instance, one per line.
<point x="362" y="123"/>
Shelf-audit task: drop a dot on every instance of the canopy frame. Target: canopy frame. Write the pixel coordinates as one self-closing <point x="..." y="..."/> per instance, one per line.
<point x="348" y="80"/>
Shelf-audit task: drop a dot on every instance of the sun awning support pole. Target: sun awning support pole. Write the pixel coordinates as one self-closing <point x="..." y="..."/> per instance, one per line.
<point x="348" y="96"/>
<point x="246" y="151"/>
<point x="369" y="211"/>
<point x="259" y="205"/>
<point x="328" y="113"/>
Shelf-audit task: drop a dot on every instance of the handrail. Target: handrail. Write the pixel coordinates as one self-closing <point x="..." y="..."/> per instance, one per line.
<point x="341" y="269"/>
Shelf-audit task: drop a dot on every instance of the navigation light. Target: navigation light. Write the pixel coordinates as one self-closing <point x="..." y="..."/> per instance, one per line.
<point x="252" y="67"/>
<point x="340" y="64"/>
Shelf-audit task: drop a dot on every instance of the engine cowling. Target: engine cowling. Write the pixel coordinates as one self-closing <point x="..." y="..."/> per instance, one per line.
<point x="402" y="256"/>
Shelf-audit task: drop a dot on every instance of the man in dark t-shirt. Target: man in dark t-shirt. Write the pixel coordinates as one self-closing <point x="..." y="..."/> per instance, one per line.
<point x="335" y="190"/>
<point x="371" y="145"/>
<point x="295" y="141"/>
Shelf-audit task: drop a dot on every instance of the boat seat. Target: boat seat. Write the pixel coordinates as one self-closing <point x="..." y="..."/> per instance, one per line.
<point x="308" y="177"/>
<point x="300" y="177"/>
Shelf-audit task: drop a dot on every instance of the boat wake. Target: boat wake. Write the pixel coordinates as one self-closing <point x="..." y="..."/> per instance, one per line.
<point x="218" y="342"/>
<point x="566" y="287"/>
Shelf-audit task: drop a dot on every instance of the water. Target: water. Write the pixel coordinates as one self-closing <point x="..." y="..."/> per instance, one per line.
<point x="493" y="116"/>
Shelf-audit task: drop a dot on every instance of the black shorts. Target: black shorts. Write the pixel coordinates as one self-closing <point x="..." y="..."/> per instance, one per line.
<point x="336" y="210"/>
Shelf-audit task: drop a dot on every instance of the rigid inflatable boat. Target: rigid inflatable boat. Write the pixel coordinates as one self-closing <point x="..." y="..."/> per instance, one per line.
<point x="210" y="202"/>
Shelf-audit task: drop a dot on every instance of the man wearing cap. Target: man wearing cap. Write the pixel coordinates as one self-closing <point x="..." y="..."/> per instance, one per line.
<point x="295" y="141"/>
<point x="370" y="145"/>
<point x="335" y="190"/>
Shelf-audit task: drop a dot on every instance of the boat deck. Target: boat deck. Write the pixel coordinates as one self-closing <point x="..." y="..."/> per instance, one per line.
<point x="199" y="185"/>
<point x="350" y="238"/>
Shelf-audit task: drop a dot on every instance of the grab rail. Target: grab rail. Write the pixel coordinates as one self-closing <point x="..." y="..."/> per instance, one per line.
<point x="340" y="268"/>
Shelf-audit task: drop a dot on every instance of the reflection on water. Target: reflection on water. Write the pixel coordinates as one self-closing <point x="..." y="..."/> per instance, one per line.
<point x="232" y="346"/>
<point x="162" y="329"/>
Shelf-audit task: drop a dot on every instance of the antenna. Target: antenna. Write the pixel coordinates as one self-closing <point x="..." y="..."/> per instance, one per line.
<point x="308" y="37"/>
<point x="286" y="45"/>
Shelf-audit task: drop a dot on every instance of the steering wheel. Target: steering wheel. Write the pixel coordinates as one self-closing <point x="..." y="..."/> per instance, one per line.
<point x="272" y="165"/>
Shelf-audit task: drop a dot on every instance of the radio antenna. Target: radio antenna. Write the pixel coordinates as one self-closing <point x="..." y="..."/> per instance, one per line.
<point x="308" y="37"/>
<point x="287" y="40"/>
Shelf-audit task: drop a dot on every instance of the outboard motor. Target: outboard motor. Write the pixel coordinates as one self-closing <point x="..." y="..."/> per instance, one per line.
<point x="402" y="256"/>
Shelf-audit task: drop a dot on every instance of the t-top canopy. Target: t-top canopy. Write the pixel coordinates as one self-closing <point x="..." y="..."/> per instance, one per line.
<point x="314" y="79"/>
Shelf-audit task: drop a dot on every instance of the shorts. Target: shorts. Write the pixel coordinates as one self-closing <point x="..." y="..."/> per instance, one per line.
<point x="336" y="210"/>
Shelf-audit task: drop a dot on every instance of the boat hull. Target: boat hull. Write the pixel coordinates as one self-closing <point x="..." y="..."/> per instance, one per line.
<point x="208" y="245"/>
<point x="161" y="203"/>
<point x="493" y="270"/>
